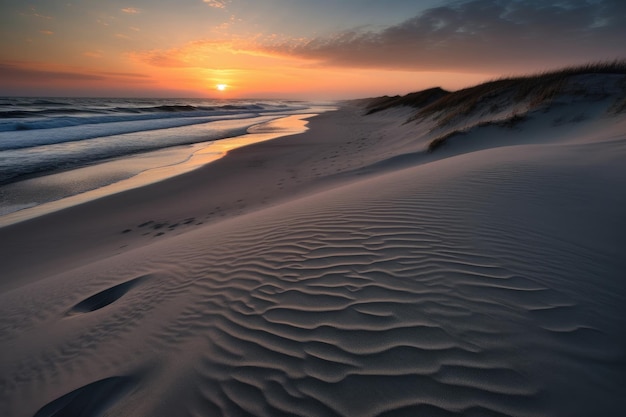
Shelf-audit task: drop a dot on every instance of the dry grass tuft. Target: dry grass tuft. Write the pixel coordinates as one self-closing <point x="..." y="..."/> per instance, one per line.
<point x="417" y="100"/>
<point x="509" y="123"/>
<point x="440" y="141"/>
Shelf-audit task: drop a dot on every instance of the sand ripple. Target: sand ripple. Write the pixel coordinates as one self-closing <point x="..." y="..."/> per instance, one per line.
<point x="348" y="304"/>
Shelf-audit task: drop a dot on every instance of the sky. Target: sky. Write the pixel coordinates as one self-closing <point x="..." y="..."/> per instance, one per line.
<point x="293" y="49"/>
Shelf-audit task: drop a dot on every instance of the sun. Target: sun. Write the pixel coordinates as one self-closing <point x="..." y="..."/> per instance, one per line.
<point x="221" y="87"/>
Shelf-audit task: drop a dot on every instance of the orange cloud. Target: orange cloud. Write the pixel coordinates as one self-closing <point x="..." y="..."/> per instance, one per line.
<point x="131" y="10"/>
<point x="212" y="54"/>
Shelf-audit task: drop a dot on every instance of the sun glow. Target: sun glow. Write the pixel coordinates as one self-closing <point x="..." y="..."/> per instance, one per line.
<point x="221" y="87"/>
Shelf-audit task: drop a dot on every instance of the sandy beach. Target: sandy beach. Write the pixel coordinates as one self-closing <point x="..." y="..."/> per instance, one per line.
<point x="345" y="271"/>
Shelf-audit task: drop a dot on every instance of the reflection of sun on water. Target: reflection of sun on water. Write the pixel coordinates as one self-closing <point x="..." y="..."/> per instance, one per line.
<point x="221" y="87"/>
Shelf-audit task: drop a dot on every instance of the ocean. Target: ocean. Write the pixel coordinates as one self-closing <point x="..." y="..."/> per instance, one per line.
<point x="44" y="136"/>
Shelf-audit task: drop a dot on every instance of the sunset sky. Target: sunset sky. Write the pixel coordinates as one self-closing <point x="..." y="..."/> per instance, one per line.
<point x="323" y="49"/>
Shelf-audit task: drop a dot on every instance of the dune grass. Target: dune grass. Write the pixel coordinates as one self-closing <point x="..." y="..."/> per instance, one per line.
<point x="537" y="89"/>
<point x="510" y="122"/>
<point x="419" y="99"/>
<point x="441" y="140"/>
<point x="494" y="96"/>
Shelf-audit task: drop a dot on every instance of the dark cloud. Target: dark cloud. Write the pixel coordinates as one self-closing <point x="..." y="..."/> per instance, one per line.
<point x="21" y="73"/>
<point x="18" y="72"/>
<point x="478" y="35"/>
<point x="126" y="74"/>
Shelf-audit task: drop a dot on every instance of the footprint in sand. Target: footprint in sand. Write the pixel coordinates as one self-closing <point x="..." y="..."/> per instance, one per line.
<point x="90" y="400"/>
<point x="104" y="298"/>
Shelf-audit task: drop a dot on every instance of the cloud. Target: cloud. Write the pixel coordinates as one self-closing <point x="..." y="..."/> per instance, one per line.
<point x="131" y="10"/>
<point x="16" y="71"/>
<point x="478" y="35"/>
<point x="24" y="72"/>
<point x="46" y="32"/>
<point x="218" y="4"/>
<point x="197" y="54"/>
<point x="162" y="59"/>
<point x="126" y="74"/>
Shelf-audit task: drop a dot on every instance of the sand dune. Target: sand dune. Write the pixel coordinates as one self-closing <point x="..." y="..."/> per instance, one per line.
<point x="478" y="280"/>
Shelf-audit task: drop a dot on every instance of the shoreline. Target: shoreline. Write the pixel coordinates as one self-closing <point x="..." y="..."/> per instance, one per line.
<point x="155" y="166"/>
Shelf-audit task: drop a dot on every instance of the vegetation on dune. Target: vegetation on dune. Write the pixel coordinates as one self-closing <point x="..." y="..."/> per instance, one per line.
<point x="510" y="122"/>
<point x="535" y="89"/>
<point x="419" y="99"/>
<point x="438" y="142"/>
<point x="528" y="92"/>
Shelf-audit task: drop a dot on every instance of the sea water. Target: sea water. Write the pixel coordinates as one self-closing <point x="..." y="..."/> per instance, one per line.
<point x="42" y="139"/>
